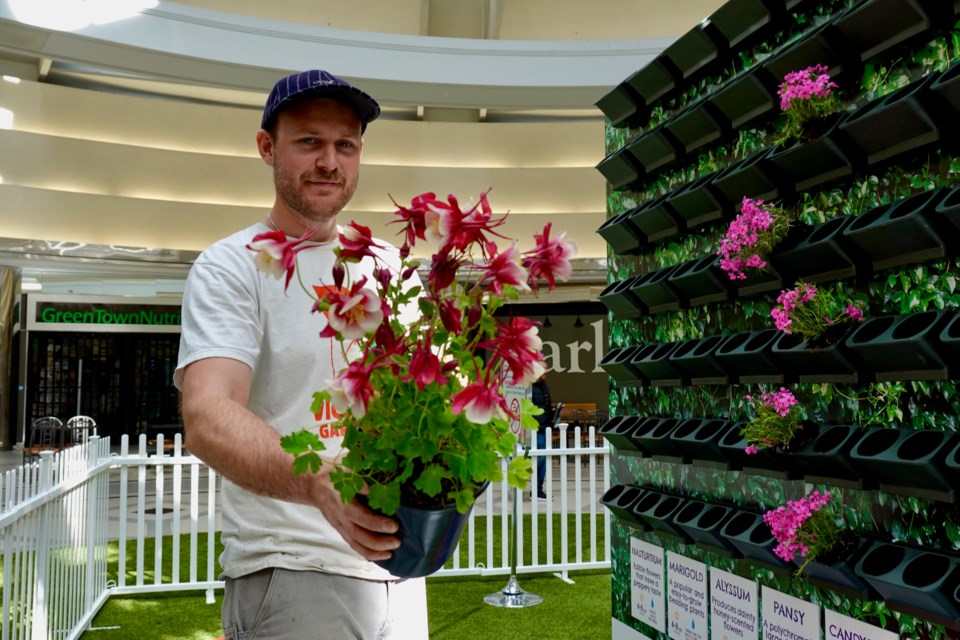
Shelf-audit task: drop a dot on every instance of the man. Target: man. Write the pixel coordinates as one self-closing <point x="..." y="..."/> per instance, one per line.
<point x="297" y="560"/>
<point x="541" y="398"/>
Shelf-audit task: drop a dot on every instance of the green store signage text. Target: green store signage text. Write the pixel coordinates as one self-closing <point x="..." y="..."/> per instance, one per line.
<point x="120" y="314"/>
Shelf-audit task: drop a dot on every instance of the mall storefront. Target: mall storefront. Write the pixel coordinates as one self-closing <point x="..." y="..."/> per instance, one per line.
<point x="108" y="357"/>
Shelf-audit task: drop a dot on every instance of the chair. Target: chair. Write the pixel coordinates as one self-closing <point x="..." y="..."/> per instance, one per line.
<point x="46" y="434"/>
<point x="80" y="428"/>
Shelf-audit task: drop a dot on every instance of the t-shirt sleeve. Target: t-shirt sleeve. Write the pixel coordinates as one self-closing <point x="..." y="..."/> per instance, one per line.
<point x="220" y="316"/>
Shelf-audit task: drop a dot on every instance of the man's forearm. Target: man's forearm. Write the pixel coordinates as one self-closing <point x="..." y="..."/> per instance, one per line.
<point x="246" y="450"/>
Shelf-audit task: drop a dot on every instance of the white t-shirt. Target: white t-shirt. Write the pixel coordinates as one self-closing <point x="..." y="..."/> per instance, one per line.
<point x="232" y="310"/>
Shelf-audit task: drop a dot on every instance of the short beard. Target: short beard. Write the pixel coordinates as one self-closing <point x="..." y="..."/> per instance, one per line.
<point x="290" y="190"/>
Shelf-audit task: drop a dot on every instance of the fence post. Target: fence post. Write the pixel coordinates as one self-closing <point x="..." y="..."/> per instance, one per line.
<point x="93" y="519"/>
<point x="38" y="627"/>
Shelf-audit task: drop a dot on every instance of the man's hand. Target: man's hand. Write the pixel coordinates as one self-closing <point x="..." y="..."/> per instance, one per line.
<point x="368" y="533"/>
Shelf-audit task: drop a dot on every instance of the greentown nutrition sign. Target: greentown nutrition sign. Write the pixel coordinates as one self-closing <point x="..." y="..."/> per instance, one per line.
<point x="107" y="314"/>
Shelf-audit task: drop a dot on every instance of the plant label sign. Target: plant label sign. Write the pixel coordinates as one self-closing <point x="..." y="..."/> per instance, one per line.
<point x="734" y="607"/>
<point x="513" y="394"/>
<point x="647" y="601"/>
<point x="686" y="598"/>
<point x="789" y="618"/>
<point x="838" y="626"/>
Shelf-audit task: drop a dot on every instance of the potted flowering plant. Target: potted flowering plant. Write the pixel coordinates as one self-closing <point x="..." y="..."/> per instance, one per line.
<point x="751" y="237"/>
<point x="777" y="422"/>
<point x="816" y="315"/>
<point x="807" y="531"/>
<point x="421" y="402"/>
<point x="806" y="96"/>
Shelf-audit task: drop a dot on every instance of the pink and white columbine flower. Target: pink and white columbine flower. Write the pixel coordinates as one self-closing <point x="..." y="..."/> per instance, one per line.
<point x="518" y="345"/>
<point x="803" y="85"/>
<point x="351" y="389"/>
<point x="480" y="402"/>
<point x="276" y="255"/>
<point x="502" y="269"/>
<point x="550" y="259"/>
<point x="786" y="523"/>
<point x="356" y="243"/>
<point x="354" y="313"/>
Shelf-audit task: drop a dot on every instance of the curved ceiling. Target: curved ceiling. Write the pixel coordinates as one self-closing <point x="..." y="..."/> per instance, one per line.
<point x="140" y="133"/>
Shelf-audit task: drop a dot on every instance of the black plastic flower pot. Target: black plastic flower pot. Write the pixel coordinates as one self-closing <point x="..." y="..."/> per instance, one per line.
<point x="765" y="462"/>
<point x="950" y="344"/>
<point x="804" y="362"/>
<point x="617" y="364"/>
<point x="875" y="27"/>
<point x="654" y="436"/>
<point x="653" y="151"/>
<point x="820" y="46"/>
<point x="700" y="282"/>
<point x="753" y="177"/>
<point x="620" y="301"/>
<point x="803" y="166"/>
<point x="946" y="90"/>
<point x="740" y="22"/>
<point x="621" y="234"/>
<point x="657" y="220"/>
<point x="697" y="126"/>
<point x="653" y="289"/>
<point x="699" y="440"/>
<point x="697" y="51"/>
<point x="654" y="81"/>
<point x="620" y="170"/>
<point x="618" y="431"/>
<point x="623" y="107"/>
<point x="947" y="212"/>
<point x="840" y="575"/>
<point x="657" y="510"/>
<point x="699" y="202"/>
<point x="749" y="358"/>
<point x="893" y="126"/>
<point x="652" y="361"/>
<point x="823" y="254"/>
<point x="745" y="99"/>
<point x="702" y="522"/>
<point x="826" y="459"/>
<point x="620" y="498"/>
<point x="428" y="537"/>
<point x="900" y="233"/>
<point x="908" y="462"/>
<point x="750" y="535"/>
<point x="901" y="347"/>
<point x="757" y="281"/>
<point x="913" y="581"/>
<point x="696" y="363"/>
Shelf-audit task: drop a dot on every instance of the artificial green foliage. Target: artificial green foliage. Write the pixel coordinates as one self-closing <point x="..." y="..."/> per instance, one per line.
<point x="931" y="286"/>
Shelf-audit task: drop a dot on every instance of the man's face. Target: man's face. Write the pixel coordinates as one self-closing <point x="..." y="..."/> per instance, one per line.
<point x="315" y="156"/>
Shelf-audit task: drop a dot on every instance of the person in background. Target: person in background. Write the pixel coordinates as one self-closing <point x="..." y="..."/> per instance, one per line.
<point x="541" y="398"/>
<point x="297" y="560"/>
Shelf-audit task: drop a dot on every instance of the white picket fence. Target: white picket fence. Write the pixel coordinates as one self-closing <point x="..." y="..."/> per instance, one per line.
<point x="60" y="516"/>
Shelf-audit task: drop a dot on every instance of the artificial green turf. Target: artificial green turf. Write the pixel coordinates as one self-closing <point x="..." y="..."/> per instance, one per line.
<point x="456" y="612"/>
<point x="456" y="607"/>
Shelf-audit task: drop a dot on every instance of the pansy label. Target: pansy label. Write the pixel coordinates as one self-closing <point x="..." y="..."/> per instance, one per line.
<point x="686" y="598"/>
<point x="734" y="607"/>
<point x="788" y="618"/>
<point x="648" y="603"/>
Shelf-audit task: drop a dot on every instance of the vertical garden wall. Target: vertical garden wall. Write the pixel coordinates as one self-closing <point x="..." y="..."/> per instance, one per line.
<point x="874" y="199"/>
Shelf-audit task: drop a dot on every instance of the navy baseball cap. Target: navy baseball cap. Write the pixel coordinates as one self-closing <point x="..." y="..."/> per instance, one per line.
<point x="318" y="84"/>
